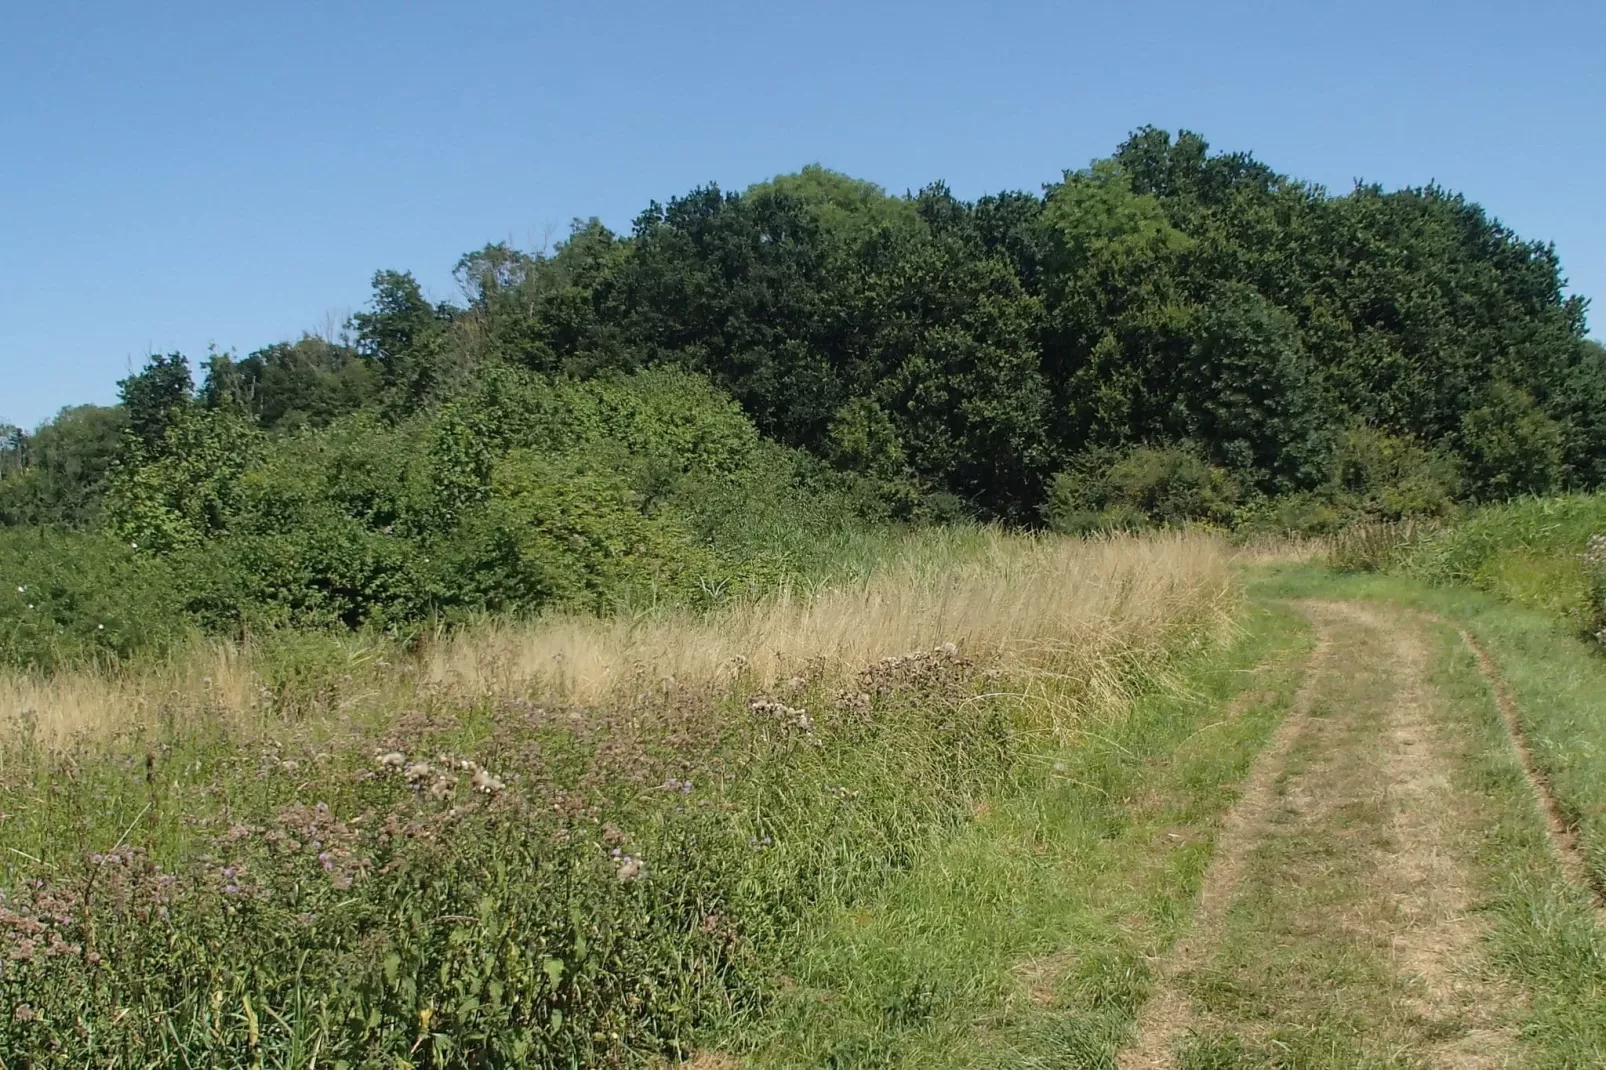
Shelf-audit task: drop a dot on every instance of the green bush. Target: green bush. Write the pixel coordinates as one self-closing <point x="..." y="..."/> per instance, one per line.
<point x="68" y="598"/>
<point x="558" y="532"/>
<point x="1105" y="491"/>
<point x="1511" y="447"/>
<point x="522" y="494"/>
<point x="1376" y="479"/>
<point x="1393" y="477"/>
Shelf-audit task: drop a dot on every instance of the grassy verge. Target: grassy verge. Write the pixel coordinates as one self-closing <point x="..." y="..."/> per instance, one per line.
<point x="1530" y="552"/>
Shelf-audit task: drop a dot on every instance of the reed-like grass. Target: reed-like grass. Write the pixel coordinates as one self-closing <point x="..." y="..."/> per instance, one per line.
<point x="1089" y="610"/>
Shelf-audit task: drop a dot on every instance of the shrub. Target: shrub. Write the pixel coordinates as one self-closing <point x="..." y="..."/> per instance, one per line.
<point x="559" y="532"/>
<point x="1393" y="477"/>
<point x="1147" y="485"/>
<point x="1511" y="447"/>
<point x="522" y="494"/>
<point x="67" y="598"/>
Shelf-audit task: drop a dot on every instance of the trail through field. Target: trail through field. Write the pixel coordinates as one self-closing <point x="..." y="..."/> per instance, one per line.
<point x="1336" y="926"/>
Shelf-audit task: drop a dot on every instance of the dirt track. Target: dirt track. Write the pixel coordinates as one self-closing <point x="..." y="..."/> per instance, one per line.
<point x="1335" y="925"/>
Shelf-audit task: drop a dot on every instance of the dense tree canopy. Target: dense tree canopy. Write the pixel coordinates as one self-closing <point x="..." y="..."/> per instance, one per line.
<point x="1174" y="333"/>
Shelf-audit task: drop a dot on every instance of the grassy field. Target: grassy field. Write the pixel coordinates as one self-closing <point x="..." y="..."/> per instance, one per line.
<point x="991" y="802"/>
<point x="572" y="841"/>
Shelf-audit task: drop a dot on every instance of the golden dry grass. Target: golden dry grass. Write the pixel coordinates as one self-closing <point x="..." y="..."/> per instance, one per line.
<point x="1083" y="610"/>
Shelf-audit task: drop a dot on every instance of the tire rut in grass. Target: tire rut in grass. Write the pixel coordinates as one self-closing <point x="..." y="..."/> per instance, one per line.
<point x="1569" y="852"/>
<point x="1166" y="1016"/>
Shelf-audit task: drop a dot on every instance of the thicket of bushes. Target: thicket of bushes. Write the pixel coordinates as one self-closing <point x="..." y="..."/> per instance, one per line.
<point x="1371" y="477"/>
<point x="521" y="494"/>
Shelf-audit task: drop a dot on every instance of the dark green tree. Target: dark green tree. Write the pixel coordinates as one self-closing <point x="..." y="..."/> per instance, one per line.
<point x="154" y="396"/>
<point x="404" y="335"/>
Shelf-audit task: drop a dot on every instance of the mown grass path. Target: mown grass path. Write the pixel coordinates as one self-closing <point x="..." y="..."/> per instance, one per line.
<point x="1352" y="912"/>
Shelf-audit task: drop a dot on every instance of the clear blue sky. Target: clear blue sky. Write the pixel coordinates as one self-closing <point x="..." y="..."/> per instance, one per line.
<point x="175" y="174"/>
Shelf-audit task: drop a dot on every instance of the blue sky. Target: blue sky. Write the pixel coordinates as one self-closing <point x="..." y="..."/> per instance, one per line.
<point x="174" y="175"/>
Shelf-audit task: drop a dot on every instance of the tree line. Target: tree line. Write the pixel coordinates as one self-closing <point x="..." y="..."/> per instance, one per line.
<point x="1168" y="334"/>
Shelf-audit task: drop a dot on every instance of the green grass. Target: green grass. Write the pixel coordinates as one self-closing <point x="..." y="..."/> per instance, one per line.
<point x="1526" y="551"/>
<point x="1024" y="938"/>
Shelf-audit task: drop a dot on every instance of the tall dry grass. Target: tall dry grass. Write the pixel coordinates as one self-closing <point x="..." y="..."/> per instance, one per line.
<point x="1085" y="611"/>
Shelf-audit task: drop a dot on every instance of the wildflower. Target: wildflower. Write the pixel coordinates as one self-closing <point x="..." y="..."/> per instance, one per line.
<point x="441" y="789"/>
<point x="100" y="627"/>
<point x="21" y="587"/>
<point x="417" y="771"/>
<point x="326" y="862"/>
<point x="631" y="869"/>
<point x="486" y="782"/>
<point x="393" y="760"/>
<point x="950" y="649"/>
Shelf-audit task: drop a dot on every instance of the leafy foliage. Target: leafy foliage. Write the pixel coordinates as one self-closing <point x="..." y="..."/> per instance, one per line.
<point x="1511" y="447"/>
<point x="1145" y="486"/>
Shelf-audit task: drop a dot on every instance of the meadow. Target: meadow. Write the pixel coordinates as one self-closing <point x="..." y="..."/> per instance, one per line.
<point x="575" y="839"/>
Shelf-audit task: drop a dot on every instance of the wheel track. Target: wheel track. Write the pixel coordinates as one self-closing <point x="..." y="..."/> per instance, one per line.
<point x="1167" y="1015"/>
<point x="1568" y="850"/>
